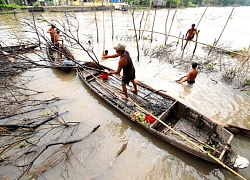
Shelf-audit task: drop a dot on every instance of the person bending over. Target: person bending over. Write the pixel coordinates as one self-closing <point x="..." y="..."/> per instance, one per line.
<point x="190" y="78"/>
<point x="125" y="63"/>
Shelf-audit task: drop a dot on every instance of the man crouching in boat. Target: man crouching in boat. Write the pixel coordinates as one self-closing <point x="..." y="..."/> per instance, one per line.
<point x="125" y="64"/>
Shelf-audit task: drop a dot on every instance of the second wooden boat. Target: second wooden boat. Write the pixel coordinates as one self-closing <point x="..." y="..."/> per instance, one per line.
<point x="19" y="48"/>
<point x="68" y="62"/>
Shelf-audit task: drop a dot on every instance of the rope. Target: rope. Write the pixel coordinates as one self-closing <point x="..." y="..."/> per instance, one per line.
<point x="240" y="54"/>
<point x="186" y="139"/>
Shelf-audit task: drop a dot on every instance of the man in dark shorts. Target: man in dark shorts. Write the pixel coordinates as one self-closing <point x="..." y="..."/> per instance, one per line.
<point x="190" y="78"/>
<point x="190" y="35"/>
<point x="52" y="31"/>
<point x="125" y="64"/>
<point x="56" y="42"/>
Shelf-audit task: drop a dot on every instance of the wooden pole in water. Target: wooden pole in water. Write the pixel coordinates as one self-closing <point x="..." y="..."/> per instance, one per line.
<point x="226" y="22"/>
<point x="103" y="23"/>
<point x="149" y="8"/>
<point x="166" y="26"/>
<point x="177" y="133"/>
<point x="173" y="19"/>
<point x="139" y="35"/>
<point x="153" y="28"/>
<point x="136" y="38"/>
<point x="112" y="22"/>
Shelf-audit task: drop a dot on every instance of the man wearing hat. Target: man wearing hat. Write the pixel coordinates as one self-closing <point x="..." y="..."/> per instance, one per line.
<point x="125" y="64"/>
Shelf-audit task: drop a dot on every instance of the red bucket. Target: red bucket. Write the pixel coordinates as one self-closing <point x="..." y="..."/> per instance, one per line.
<point x="105" y="76"/>
<point x="149" y="118"/>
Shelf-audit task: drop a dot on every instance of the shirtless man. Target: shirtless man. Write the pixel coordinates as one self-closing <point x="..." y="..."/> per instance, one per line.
<point x="190" y="78"/>
<point x="52" y="32"/>
<point x="56" y="42"/>
<point x="190" y="34"/>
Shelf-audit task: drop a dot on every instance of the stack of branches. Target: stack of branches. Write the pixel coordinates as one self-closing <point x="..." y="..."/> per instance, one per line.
<point x="34" y="137"/>
<point x="28" y="127"/>
<point x="235" y="68"/>
<point x="161" y="52"/>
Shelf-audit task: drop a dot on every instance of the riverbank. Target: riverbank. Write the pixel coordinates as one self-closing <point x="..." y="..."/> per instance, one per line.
<point x="62" y="8"/>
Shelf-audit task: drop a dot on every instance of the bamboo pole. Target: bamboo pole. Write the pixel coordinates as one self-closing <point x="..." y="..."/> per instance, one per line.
<point x="174" y="131"/>
<point x="112" y="22"/>
<point x="149" y="8"/>
<point x="226" y="22"/>
<point x="240" y="54"/>
<point x="140" y="25"/>
<point x="103" y="23"/>
<point x="173" y="19"/>
<point x="166" y="26"/>
<point x="136" y="38"/>
<point x="203" y="14"/>
<point x="153" y="27"/>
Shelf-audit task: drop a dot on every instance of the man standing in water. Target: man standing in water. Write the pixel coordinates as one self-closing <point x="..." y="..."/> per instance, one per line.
<point x="190" y="35"/>
<point x="190" y="78"/>
<point x="125" y="64"/>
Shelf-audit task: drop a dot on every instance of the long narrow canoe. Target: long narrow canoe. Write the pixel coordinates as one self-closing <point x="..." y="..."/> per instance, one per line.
<point x="19" y="48"/>
<point x="68" y="61"/>
<point x="165" y="117"/>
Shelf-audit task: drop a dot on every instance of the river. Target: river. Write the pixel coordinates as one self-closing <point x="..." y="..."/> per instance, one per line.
<point x="145" y="157"/>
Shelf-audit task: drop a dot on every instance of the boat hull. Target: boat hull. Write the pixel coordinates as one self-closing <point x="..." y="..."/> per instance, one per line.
<point x="67" y="64"/>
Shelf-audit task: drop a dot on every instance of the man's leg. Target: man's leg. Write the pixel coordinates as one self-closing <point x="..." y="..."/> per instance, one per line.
<point x="135" y="87"/>
<point x="124" y="89"/>
<point x="185" y="45"/>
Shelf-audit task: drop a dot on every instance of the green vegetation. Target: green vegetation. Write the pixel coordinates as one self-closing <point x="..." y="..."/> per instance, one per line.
<point x="247" y="82"/>
<point x="11" y="6"/>
<point x="211" y="65"/>
<point x="36" y="4"/>
<point x="189" y="3"/>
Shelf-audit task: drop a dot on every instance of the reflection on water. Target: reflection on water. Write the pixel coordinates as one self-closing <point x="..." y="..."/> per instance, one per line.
<point x="63" y="75"/>
<point x="145" y="157"/>
<point x="187" y="88"/>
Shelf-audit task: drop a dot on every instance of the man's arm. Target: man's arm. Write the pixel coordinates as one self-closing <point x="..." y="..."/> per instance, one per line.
<point x="109" y="56"/>
<point x="184" y="79"/>
<point x="122" y="63"/>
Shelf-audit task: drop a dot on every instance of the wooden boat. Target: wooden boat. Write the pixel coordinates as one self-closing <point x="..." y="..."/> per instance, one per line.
<point x="165" y="117"/>
<point x="19" y="48"/>
<point x="68" y="63"/>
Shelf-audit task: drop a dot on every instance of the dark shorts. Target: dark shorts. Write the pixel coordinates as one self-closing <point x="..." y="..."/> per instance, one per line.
<point x="57" y="46"/>
<point x="190" y="82"/>
<point x="126" y="80"/>
<point x="52" y="40"/>
<point x="189" y="38"/>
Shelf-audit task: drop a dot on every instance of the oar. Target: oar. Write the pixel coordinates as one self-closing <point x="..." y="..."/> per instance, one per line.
<point x="233" y="129"/>
<point x="99" y="70"/>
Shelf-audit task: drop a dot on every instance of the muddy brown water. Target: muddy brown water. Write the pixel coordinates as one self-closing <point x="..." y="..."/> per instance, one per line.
<point x="145" y="157"/>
